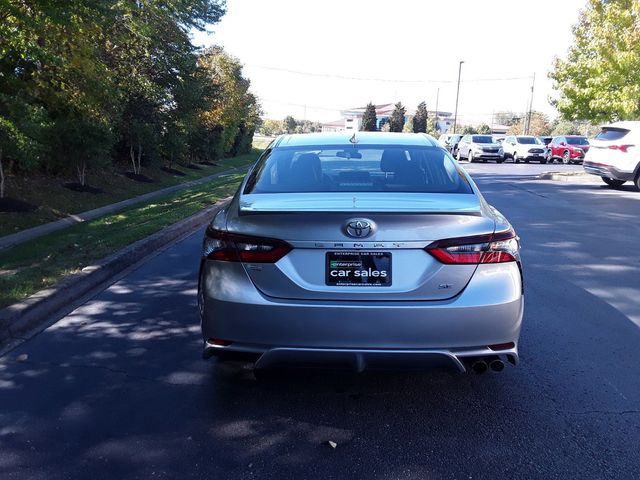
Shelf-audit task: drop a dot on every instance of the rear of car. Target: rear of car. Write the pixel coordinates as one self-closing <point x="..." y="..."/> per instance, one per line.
<point x="368" y="251"/>
<point x="614" y="154"/>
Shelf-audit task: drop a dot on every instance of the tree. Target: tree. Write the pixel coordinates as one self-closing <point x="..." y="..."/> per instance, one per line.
<point x="507" y="118"/>
<point x="539" y="125"/>
<point x="420" y="118"/>
<point x="290" y="124"/>
<point x="468" y="130"/>
<point x="369" y="119"/>
<point x="565" y="127"/>
<point x="396" y="121"/>
<point x="599" y="80"/>
<point x="271" y="127"/>
<point x="484" y="129"/>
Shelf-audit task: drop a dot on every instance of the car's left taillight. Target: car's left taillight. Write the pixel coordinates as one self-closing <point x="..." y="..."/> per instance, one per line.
<point x="499" y="247"/>
<point x="234" y="247"/>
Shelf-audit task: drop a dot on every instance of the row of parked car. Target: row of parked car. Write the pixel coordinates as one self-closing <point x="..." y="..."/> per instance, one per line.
<point x="613" y="154"/>
<point x="526" y="148"/>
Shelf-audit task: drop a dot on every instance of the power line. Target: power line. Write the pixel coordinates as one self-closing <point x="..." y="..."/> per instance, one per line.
<point x="384" y="80"/>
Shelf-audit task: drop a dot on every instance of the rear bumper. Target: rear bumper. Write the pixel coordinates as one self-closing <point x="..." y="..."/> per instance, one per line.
<point x="362" y="334"/>
<point x="609" y="171"/>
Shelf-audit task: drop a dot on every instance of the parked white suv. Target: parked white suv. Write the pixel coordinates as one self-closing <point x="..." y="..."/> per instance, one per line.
<point x="615" y="154"/>
<point x="524" y="147"/>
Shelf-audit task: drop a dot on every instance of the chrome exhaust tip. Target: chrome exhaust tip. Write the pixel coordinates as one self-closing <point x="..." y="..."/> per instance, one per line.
<point x="497" y="365"/>
<point x="479" y="367"/>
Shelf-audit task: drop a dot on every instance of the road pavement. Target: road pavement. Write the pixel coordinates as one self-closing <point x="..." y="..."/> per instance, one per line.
<point x="117" y="389"/>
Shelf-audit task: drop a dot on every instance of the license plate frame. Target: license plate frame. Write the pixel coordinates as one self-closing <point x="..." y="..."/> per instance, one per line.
<point x="358" y="269"/>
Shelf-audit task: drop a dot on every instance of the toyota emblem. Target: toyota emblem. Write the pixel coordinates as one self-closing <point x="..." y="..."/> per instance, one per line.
<point x="359" y="228"/>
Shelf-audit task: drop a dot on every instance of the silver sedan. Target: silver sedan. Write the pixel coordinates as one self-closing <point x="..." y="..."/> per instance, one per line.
<point x="366" y="250"/>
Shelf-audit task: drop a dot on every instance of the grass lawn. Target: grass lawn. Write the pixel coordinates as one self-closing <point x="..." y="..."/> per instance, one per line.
<point x="54" y="201"/>
<point x="39" y="263"/>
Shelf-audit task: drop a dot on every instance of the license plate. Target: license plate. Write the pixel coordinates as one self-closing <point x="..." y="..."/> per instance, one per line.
<point x="358" y="269"/>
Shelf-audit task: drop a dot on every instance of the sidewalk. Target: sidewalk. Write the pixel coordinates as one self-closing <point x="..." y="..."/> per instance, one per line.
<point x="30" y="233"/>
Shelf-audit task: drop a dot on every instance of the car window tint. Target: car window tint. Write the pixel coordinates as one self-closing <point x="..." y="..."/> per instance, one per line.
<point x="365" y="169"/>
<point x="612" y="133"/>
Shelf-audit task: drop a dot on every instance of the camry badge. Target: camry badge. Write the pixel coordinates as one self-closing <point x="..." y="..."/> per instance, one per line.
<point x="358" y="228"/>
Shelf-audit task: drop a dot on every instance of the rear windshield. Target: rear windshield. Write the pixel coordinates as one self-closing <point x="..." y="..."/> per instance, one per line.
<point x="577" y="140"/>
<point x="357" y="169"/>
<point x="482" y="139"/>
<point x="612" y="134"/>
<point x="529" y="141"/>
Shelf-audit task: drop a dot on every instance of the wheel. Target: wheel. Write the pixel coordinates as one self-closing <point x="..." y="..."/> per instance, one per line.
<point x="500" y="160"/>
<point x="458" y="156"/>
<point x="515" y="158"/>
<point x="616" y="183"/>
<point x="636" y="182"/>
<point x="566" y="158"/>
<point x="470" y="156"/>
<point x="548" y="157"/>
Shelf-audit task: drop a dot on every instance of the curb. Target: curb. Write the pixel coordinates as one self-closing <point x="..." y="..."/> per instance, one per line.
<point x="13" y="239"/>
<point x="577" y="177"/>
<point x="24" y="319"/>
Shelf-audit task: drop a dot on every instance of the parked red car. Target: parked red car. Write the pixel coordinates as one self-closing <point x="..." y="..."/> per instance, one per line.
<point x="568" y="148"/>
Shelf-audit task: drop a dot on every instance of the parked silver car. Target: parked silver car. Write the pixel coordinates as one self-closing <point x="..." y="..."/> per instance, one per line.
<point x="479" y="148"/>
<point x="371" y="250"/>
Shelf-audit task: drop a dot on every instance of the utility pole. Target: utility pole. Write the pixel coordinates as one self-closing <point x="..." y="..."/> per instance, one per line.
<point x="528" y="120"/>
<point x="455" y="116"/>
<point x="437" y="100"/>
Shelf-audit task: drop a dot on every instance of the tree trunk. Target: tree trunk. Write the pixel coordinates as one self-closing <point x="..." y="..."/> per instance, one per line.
<point x="1" y="176"/>
<point x="133" y="158"/>
<point x="139" y="159"/>
<point x="82" y="173"/>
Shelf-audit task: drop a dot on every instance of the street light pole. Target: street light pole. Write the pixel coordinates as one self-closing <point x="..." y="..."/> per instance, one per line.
<point x="455" y="116"/>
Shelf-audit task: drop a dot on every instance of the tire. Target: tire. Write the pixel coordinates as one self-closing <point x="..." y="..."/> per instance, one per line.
<point x="458" y="156"/>
<point x="636" y="182"/>
<point x="500" y="160"/>
<point x="515" y="158"/>
<point x="470" y="156"/>
<point x="613" y="183"/>
<point x="566" y="158"/>
<point x="548" y="157"/>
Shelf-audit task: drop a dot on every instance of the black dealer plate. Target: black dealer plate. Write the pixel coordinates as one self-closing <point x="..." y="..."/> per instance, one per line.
<point x="358" y="269"/>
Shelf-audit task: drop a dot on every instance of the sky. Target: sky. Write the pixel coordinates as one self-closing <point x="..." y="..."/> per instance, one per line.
<point x="313" y="59"/>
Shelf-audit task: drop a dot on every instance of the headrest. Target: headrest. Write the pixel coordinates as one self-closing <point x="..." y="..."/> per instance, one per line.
<point x="392" y="160"/>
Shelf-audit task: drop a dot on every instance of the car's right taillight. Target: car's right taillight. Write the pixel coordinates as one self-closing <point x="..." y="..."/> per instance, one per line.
<point x="621" y="148"/>
<point x="499" y="247"/>
<point x="234" y="247"/>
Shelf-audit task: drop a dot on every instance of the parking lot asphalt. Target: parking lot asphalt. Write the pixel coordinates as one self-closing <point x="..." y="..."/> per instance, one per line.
<point x="117" y="388"/>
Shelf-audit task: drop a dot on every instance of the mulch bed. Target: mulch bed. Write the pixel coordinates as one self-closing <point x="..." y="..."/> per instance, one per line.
<point x="138" y="177"/>
<point x="13" y="205"/>
<point x="78" y="187"/>
<point x="173" y="171"/>
<point x="193" y="167"/>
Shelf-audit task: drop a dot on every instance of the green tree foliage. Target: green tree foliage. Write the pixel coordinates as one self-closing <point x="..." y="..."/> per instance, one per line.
<point x="369" y="119"/>
<point x="290" y="124"/>
<point x="87" y="83"/>
<point x="599" y="80"/>
<point x="396" y="121"/>
<point x="565" y="127"/>
<point x="484" y="129"/>
<point x="420" y="118"/>
<point x="468" y="130"/>
<point x="272" y="127"/>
